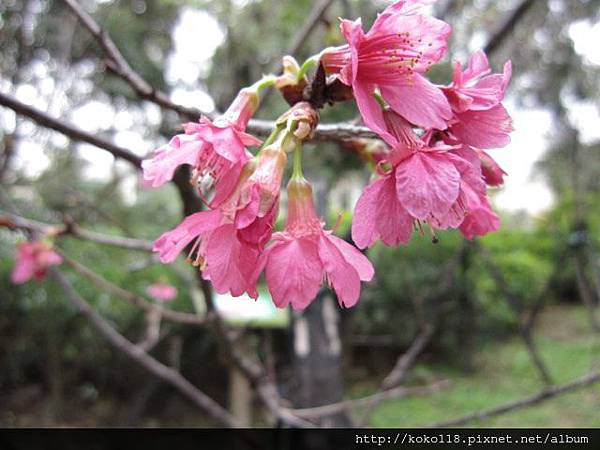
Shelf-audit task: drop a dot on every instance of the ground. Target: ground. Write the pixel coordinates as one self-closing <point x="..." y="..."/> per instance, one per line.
<point x="504" y="373"/>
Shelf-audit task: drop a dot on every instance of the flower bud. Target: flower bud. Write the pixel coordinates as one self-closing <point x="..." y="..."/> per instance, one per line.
<point x="301" y="120"/>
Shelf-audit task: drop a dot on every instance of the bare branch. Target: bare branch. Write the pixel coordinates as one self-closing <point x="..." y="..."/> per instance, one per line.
<point x="515" y="305"/>
<point x="402" y="367"/>
<point x="544" y="394"/>
<point x="507" y="26"/>
<point x="407" y="360"/>
<point x="164" y="373"/>
<point x="69" y="130"/>
<point x="119" y="65"/>
<point x="318" y="10"/>
<point x="324" y="132"/>
<point x="134" y="299"/>
<point x="398" y="392"/>
<point x="72" y="229"/>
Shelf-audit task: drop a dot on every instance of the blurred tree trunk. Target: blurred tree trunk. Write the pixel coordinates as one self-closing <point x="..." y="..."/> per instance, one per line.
<point x="317" y="358"/>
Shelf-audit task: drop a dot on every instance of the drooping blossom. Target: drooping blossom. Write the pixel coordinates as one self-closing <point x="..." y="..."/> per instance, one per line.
<point x="304" y="254"/>
<point x="162" y="292"/>
<point x="439" y="185"/>
<point x="228" y="240"/>
<point x="392" y="57"/>
<point x="480" y="219"/>
<point x="480" y="119"/>
<point x="215" y="149"/>
<point x="491" y="171"/>
<point x="33" y="260"/>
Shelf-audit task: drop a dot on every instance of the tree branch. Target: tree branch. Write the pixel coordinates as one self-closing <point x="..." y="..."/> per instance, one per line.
<point x="515" y="305"/>
<point x="507" y="26"/>
<point x="77" y="134"/>
<point x="119" y="65"/>
<point x="407" y="360"/>
<point x="15" y="221"/>
<point x="317" y="12"/>
<point x="324" y="132"/>
<point x="134" y="299"/>
<point x="164" y="373"/>
<point x="398" y="392"/>
<point x="544" y="394"/>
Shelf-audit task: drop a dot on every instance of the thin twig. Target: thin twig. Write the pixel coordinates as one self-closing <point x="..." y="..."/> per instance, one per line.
<point x="544" y="394"/>
<point x="407" y="360"/>
<point x="71" y="229"/>
<point x="324" y="132"/>
<point x="516" y="306"/>
<point x="119" y="65"/>
<point x="77" y="134"/>
<point x="326" y="410"/>
<point x="163" y="372"/>
<point x="540" y="301"/>
<point x="134" y="299"/>
<point x="507" y="26"/>
<point x="318" y="11"/>
<point x="403" y="365"/>
<point x="261" y="127"/>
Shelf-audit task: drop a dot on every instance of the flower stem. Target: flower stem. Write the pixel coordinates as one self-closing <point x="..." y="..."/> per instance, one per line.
<point x="297" y="170"/>
<point x="265" y="82"/>
<point x="272" y="136"/>
<point x="310" y="62"/>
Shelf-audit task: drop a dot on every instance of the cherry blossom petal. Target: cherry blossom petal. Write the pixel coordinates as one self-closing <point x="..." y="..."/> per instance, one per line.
<point x="354" y="257"/>
<point x="427" y="184"/>
<point x="171" y="243"/>
<point x="343" y="277"/>
<point x="419" y="101"/>
<point x="484" y="129"/>
<point x="230" y="262"/>
<point x="294" y="273"/>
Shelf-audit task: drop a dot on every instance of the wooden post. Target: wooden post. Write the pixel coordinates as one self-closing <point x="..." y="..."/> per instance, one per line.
<point x="240" y="396"/>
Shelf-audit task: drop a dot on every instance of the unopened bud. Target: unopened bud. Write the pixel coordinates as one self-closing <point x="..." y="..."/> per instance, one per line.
<point x="289" y="77"/>
<point x="288" y="83"/>
<point x="302" y="120"/>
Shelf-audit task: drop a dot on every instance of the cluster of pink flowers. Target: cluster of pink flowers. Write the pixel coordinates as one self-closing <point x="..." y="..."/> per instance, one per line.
<point x="434" y="170"/>
<point x="438" y="177"/>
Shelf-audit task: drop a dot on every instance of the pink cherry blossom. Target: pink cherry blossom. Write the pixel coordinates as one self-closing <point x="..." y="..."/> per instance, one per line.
<point x="216" y="150"/>
<point x="393" y="56"/>
<point x="258" y="202"/>
<point x="474" y="89"/>
<point x="162" y="292"/>
<point x="304" y="254"/>
<point x="379" y="215"/>
<point x="224" y="258"/>
<point x="227" y="241"/>
<point x="33" y="260"/>
<point x="440" y="185"/>
<point x="480" y="119"/>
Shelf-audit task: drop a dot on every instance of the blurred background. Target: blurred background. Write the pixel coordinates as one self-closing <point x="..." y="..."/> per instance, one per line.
<point x="498" y="319"/>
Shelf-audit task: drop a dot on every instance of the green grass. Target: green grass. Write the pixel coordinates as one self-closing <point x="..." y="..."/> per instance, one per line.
<point x="504" y="373"/>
